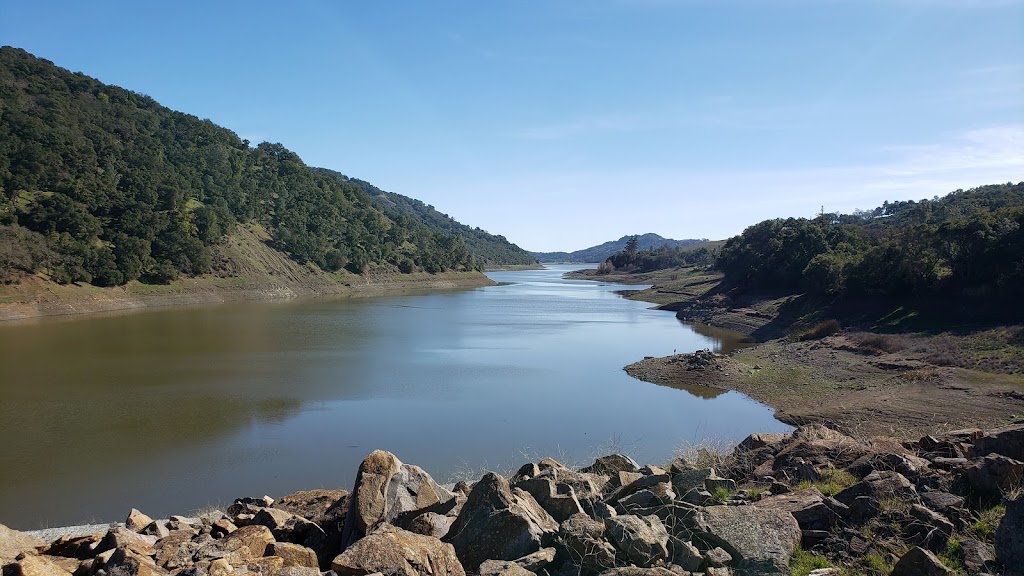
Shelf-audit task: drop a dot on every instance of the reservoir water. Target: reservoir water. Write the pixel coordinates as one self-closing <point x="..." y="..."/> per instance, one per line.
<point x="170" y="411"/>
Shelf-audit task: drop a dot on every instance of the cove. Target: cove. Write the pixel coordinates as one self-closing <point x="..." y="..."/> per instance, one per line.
<point x="173" y="410"/>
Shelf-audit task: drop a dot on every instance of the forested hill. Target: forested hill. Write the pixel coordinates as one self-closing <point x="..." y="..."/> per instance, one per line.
<point x="602" y="252"/>
<point x="104" y="185"/>
<point x="488" y="249"/>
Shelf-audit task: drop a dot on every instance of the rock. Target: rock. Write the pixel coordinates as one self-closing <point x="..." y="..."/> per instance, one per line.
<point x="537" y="560"/>
<point x="325" y="508"/>
<point x="1010" y="536"/>
<point x="978" y="556"/>
<point x="660" y="494"/>
<point x="33" y="565"/>
<point x="685" y="555"/>
<point x="287" y="527"/>
<point x="994" y="472"/>
<point x="177" y="549"/>
<point x="294" y="571"/>
<point x="712" y="485"/>
<point x="81" y="547"/>
<point x="293" y="554"/>
<point x="757" y="538"/>
<point x="717" y="558"/>
<point x="431" y="524"/>
<point x="635" y="571"/>
<point x="242" y="546"/>
<point x="388" y="491"/>
<point x="136" y="521"/>
<point x="864" y="496"/>
<point x="130" y="563"/>
<point x="221" y="528"/>
<point x="807" y="507"/>
<point x="582" y="540"/>
<point x="1008" y="441"/>
<point x="13" y="543"/>
<point x="155" y="528"/>
<point x="685" y="480"/>
<point x="758" y="441"/>
<point x="499" y="523"/>
<point x="930" y="529"/>
<point x="559" y="500"/>
<point x="392" y="551"/>
<point x="920" y="562"/>
<point x="266" y="565"/>
<point x="941" y="501"/>
<point x="503" y="568"/>
<point x="643" y="539"/>
<point x="121" y="537"/>
<point x="612" y="464"/>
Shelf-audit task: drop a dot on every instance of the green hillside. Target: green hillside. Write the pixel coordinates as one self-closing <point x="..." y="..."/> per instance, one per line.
<point x="102" y="185"/>
<point x="602" y="252"/>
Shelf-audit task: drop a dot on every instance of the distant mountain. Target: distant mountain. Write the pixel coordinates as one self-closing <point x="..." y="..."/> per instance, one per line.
<point x="601" y="252"/>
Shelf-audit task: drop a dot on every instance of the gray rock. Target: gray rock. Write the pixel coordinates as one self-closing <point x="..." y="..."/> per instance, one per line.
<point x="643" y="539"/>
<point x="717" y="558"/>
<point x="392" y="551"/>
<point x="245" y="545"/>
<point x="583" y="541"/>
<point x="612" y="464"/>
<point x="758" y="539"/>
<point x="978" y="556"/>
<point x="941" y="501"/>
<point x="864" y="496"/>
<point x="136" y="521"/>
<point x="431" y="524"/>
<point x="287" y="527"/>
<point x="685" y="480"/>
<point x="807" y="506"/>
<point x="1010" y="536"/>
<point x="130" y="563"/>
<point x="294" y="554"/>
<point x="559" y="500"/>
<point x="660" y="494"/>
<point x="537" y="560"/>
<point x="499" y="523"/>
<point x="931" y="529"/>
<point x="920" y="562"/>
<point x="636" y="571"/>
<point x="685" y="555"/>
<point x="994" y="472"/>
<point x="1008" y="441"/>
<point x="503" y="568"/>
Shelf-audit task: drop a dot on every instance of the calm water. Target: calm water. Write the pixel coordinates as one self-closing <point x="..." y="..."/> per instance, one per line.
<point x="173" y="410"/>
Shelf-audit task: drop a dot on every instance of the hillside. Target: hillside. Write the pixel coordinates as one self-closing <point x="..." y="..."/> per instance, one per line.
<point x="105" y="186"/>
<point x="602" y="252"/>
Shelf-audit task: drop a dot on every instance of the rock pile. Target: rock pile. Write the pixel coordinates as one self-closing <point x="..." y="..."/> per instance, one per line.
<point x="917" y="507"/>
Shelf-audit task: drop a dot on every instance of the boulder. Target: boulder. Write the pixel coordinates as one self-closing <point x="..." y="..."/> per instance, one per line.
<point x="499" y="523"/>
<point x="81" y="547"/>
<point x="612" y="464"/>
<point x="13" y="543"/>
<point x="758" y="441"/>
<point x="293" y="554"/>
<point x="136" y="521"/>
<point x="643" y="539"/>
<point x="503" y="568"/>
<point x="387" y="490"/>
<point x="920" y="562"/>
<point x="325" y="508"/>
<point x="636" y="571"/>
<point x="685" y="555"/>
<point x="1010" y="536"/>
<point x="941" y="501"/>
<point x="537" y="560"/>
<point x="392" y="551"/>
<point x="660" y="494"/>
<point x="978" y="556"/>
<point x="559" y="500"/>
<point x="130" y="563"/>
<point x="930" y="529"/>
<point x="156" y="528"/>
<point x="177" y="549"/>
<point x="121" y="537"/>
<point x="287" y="527"/>
<point x="1008" y="441"/>
<point x="33" y="565"/>
<point x="759" y="539"/>
<point x="994" y="472"/>
<point x="242" y="546"/>
<point x="864" y="497"/>
<point x="583" y="542"/>
<point x="807" y="506"/>
<point x="717" y="558"/>
<point x="431" y="524"/>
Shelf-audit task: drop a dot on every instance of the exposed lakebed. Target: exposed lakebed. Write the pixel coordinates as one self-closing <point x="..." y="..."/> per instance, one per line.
<point x="171" y="410"/>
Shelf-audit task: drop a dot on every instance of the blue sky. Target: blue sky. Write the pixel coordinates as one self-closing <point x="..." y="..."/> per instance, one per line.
<point x="564" y="124"/>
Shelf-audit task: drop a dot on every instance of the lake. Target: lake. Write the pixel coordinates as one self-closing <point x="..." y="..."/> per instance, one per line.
<point x="173" y="410"/>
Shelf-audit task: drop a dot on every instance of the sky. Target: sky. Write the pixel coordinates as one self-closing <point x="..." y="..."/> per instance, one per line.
<point x="560" y="124"/>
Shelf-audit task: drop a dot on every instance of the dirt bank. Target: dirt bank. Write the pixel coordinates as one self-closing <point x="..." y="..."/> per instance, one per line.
<point x="865" y="383"/>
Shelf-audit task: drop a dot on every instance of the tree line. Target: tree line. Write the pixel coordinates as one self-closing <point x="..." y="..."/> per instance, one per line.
<point x="104" y="185"/>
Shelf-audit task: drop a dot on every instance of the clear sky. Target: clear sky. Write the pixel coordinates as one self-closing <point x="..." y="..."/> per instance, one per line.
<point x="564" y="124"/>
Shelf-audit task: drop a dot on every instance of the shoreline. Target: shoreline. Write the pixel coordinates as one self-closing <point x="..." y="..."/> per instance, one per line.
<point x="860" y="382"/>
<point x="35" y="298"/>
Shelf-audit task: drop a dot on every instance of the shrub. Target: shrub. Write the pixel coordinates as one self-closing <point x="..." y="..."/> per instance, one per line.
<point x="819" y="330"/>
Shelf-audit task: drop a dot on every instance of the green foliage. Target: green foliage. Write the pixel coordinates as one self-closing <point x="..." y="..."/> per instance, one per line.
<point x="831" y="481"/>
<point x="802" y="562"/>
<point x="659" y="258"/>
<point x="984" y="528"/>
<point x="967" y="244"/>
<point x="114" y="187"/>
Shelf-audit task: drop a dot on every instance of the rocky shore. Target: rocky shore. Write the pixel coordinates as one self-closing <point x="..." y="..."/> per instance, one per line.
<point x="815" y="501"/>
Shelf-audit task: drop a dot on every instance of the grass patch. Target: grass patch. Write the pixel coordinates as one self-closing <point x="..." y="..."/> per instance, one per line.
<point x="953" y="556"/>
<point x="873" y="563"/>
<point x="831" y="481"/>
<point x="984" y="528"/>
<point x="802" y="562"/>
<point x="720" y="495"/>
